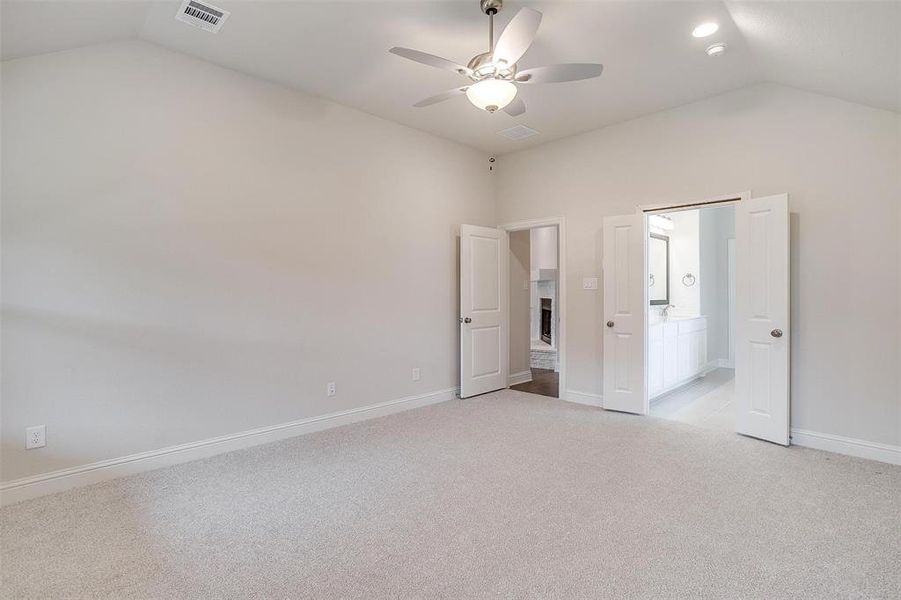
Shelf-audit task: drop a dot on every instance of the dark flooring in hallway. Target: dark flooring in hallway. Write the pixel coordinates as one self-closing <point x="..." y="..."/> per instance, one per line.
<point x="545" y="382"/>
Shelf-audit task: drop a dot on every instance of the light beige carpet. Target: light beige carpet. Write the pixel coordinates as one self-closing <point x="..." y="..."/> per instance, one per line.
<point x="506" y="495"/>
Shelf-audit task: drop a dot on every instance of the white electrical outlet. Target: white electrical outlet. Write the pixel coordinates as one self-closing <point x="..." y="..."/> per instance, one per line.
<point x="416" y="374"/>
<point x="331" y="390"/>
<point x="35" y="437"/>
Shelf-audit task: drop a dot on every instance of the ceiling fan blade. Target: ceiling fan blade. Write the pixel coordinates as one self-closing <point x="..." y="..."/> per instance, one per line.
<point x="441" y="97"/>
<point x="430" y="59"/>
<point x="515" y="108"/>
<point x="517" y="36"/>
<point x="560" y="73"/>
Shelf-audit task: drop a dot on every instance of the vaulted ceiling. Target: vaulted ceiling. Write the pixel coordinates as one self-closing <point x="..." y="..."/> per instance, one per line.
<point x="338" y="50"/>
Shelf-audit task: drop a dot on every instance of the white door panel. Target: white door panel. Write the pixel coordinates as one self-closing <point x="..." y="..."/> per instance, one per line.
<point x="670" y="354"/>
<point x="483" y="310"/>
<point x="624" y="314"/>
<point x="655" y="364"/>
<point x="762" y="336"/>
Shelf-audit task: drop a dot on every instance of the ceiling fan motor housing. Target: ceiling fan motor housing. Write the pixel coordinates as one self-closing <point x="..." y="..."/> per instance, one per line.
<point x="491" y="7"/>
<point x="483" y="66"/>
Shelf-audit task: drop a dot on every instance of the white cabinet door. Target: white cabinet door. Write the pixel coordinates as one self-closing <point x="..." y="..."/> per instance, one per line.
<point x="625" y="298"/>
<point x="670" y="354"/>
<point x="684" y="357"/>
<point x="762" y="337"/>
<point x="655" y="360"/>
<point x="483" y="308"/>
<point x="702" y="348"/>
<point x="695" y="355"/>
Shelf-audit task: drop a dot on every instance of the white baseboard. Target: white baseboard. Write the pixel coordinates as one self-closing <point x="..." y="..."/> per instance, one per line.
<point x="716" y="363"/>
<point x="584" y="398"/>
<point x="850" y="446"/>
<point x="521" y="377"/>
<point x="57" y="481"/>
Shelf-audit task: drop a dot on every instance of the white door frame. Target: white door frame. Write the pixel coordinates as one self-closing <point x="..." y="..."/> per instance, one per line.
<point x="560" y="222"/>
<point x="664" y="207"/>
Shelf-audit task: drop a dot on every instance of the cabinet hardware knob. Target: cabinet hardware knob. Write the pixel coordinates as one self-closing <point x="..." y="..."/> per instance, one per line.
<point x="776" y="333"/>
<point x="609" y="323"/>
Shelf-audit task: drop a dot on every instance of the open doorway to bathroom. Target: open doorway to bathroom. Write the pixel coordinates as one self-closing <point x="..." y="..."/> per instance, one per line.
<point x="535" y="311"/>
<point x="691" y="316"/>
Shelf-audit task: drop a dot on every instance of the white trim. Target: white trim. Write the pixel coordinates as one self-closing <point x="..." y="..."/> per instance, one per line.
<point x="849" y="446"/>
<point x="521" y="377"/>
<point x="587" y="398"/>
<point x="57" y="481"/>
<point x="560" y="222"/>
<point x="716" y="363"/>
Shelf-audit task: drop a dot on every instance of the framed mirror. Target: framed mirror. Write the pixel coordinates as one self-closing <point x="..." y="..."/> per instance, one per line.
<point x="658" y="269"/>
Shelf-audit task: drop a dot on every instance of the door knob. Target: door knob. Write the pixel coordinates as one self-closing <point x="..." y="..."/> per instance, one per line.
<point x="776" y="333"/>
<point x="466" y="320"/>
<point x="609" y="323"/>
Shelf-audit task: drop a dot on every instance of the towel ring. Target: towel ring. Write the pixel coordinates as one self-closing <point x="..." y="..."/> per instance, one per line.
<point x="688" y="280"/>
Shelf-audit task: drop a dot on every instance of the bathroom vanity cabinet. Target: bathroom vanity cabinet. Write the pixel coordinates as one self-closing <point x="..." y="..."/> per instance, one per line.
<point x="677" y="352"/>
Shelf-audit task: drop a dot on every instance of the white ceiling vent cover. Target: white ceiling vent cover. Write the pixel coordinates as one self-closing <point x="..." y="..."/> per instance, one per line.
<point x="204" y="16"/>
<point x="518" y="132"/>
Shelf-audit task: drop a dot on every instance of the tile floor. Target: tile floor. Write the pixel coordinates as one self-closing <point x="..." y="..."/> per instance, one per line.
<point x="706" y="402"/>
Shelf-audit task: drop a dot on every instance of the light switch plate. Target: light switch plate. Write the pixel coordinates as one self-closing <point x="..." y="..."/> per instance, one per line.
<point x="589" y="283"/>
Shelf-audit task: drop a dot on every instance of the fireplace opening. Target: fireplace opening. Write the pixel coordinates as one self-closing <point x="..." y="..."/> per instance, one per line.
<point x="546" y="320"/>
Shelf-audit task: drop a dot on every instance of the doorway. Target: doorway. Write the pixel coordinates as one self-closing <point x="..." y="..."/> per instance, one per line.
<point x="690" y="369"/>
<point x="638" y="359"/>
<point x="535" y="307"/>
<point x="485" y="290"/>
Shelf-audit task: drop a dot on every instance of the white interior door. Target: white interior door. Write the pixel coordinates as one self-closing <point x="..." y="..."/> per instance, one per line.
<point x="625" y="292"/>
<point x="483" y="310"/>
<point x="762" y="339"/>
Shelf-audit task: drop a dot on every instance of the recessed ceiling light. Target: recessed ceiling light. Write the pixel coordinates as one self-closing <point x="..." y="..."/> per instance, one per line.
<point x="705" y="29"/>
<point x="717" y="49"/>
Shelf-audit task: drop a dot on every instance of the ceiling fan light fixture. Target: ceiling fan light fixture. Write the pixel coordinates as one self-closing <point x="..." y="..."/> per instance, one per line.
<point x="491" y="94"/>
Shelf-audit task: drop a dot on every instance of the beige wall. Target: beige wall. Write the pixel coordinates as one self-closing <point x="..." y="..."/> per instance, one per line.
<point x="189" y="252"/>
<point x="840" y="163"/>
<point x="519" y="301"/>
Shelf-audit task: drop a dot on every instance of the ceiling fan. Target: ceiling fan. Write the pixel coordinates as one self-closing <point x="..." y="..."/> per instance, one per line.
<point x="494" y="74"/>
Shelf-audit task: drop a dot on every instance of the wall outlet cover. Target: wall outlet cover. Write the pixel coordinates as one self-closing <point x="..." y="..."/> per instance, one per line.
<point x="589" y="283"/>
<point x="331" y="389"/>
<point x="417" y="375"/>
<point x="35" y="437"/>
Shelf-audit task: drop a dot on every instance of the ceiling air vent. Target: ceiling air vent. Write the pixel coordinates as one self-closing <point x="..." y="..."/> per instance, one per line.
<point x="205" y="16"/>
<point x="518" y="132"/>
